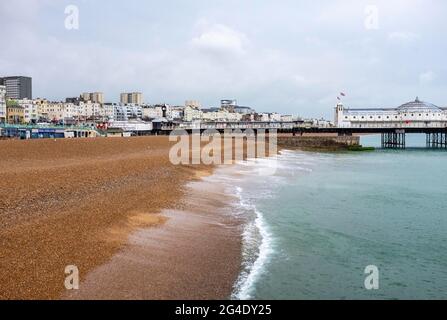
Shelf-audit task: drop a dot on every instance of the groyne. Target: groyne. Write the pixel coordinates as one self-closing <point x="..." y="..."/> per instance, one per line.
<point x="319" y="142"/>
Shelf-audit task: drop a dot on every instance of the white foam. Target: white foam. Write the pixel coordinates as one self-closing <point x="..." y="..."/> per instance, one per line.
<point x="265" y="250"/>
<point x="258" y="240"/>
<point x="247" y="280"/>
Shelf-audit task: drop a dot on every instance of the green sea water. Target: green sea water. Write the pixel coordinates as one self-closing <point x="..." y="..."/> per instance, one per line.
<point x="320" y="219"/>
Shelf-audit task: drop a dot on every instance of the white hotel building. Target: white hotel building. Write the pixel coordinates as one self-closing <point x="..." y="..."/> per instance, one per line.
<point x="2" y="104"/>
<point x="415" y="114"/>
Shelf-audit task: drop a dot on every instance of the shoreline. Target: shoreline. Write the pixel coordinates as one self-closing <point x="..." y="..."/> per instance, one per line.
<point x="100" y="204"/>
<point x="195" y="255"/>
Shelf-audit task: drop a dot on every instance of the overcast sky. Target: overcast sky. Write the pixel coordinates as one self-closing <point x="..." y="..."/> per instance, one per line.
<point x="291" y="57"/>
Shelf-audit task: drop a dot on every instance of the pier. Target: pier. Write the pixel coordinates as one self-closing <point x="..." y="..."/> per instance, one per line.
<point x="394" y="123"/>
<point x="391" y="138"/>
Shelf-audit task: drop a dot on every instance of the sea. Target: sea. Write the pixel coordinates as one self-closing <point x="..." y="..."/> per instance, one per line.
<point x="315" y="223"/>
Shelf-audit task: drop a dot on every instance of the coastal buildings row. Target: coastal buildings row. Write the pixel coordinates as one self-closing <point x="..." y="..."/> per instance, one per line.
<point x="17" y="106"/>
<point x="89" y="109"/>
<point x="90" y="115"/>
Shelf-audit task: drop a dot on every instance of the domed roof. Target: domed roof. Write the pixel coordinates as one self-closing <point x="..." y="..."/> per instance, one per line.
<point x="418" y="105"/>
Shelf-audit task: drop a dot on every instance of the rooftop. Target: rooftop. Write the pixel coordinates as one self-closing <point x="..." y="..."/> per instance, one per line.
<point x="412" y="106"/>
<point x="418" y="105"/>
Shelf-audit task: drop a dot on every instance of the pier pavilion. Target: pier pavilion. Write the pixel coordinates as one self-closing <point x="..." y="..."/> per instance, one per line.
<point x="393" y="123"/>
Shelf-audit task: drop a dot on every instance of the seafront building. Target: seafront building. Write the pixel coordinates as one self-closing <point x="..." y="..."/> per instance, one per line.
<point x="130" y="111"/>
<point x="67" y="111"/>
<point x="16" y="114"/>
<point x="176" y="112"/>
<point x="30" y="111"/>
<point x="193" y="104"/>
<point x="17" y="87"/>
<point x="221" y="115"/>
<point x="94" y="97"/>
<point x="415" y="113"/>
<point x="228" y="104"/>
<point x="287" y="118"/>
<point x="2" y="104"/>
<point x="120" y="112"/>
<point x="232" y="106"/>
<point x="151" y="112"/>
<point x="135" y="98"/>
<point x="192" y="113"/>
<point x="157" y="111"/>
<point x="243" y="110"/>
<point x="91" y="110"/>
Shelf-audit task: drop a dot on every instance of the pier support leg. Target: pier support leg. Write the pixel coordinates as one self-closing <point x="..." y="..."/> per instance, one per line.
<point x="437" y="140"/>
<point x="393" y="140"/>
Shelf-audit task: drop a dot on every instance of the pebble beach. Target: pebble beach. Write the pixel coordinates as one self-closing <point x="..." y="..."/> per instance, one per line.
<point x="81" y="202"/>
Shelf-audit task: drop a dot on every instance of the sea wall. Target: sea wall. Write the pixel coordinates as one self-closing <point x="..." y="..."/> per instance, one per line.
<point x="326" y="142"/>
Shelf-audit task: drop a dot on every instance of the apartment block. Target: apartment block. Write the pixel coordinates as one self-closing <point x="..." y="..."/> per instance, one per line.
<point x="94" y="97"/>
<point x="131" y="98"/>
<point x="17" y="87"/>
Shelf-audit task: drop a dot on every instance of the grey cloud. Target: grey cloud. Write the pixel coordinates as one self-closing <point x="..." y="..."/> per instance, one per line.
<point x="288" y="57"/>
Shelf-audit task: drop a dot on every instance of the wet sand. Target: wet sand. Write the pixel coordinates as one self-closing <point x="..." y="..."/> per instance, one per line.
<point x="194" y="255"/>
